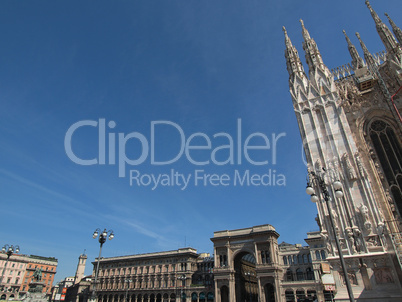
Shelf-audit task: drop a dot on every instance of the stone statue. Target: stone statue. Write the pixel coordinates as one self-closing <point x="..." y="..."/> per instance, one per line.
<point x="358" y="242"/>
<point x="350" y="171"/>
<point x="327" y="242"/>
<point x="380" y="232"/>
<point x="365" y="214"/>
<point x="351" y="239"/>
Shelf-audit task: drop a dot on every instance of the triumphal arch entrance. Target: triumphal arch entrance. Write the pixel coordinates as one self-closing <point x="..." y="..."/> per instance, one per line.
<point x="247" y="265"/>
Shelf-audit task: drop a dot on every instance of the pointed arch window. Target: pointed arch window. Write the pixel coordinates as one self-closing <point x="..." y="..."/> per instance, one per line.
<point x="389" y="153"/>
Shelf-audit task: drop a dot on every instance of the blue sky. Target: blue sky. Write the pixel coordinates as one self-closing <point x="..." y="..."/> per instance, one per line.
<point x="202" y="65"/>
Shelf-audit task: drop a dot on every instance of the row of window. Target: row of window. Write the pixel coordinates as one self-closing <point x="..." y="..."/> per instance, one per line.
<point x="52" y="268"/>
<point x="144" y="270"/>
<point x="12" y="272"/>
<point x="297" y="259"/>
<point x="303" y="258"/>
<point x="12" y="264"/>
<point x="141" y="284"/>
<point x="205" y="266"/>
<point x="299" y="275"/>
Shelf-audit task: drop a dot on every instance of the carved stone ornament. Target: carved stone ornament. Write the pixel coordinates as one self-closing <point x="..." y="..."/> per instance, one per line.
<point x="380" y="232"/>
<point x="360" y="167"/>
<point x="358" y="241"/>
<point x="373" y="241"/>
<point x="351" y="239"/>
<point x="350" y="171"/>
<point x="383" y="276"/>
<point x="318" y="166"/>
<point x="327" y="242"/>
<point x="351" y="276"/>
<point x="317" y="219"/>
<point x="365" y="215"/>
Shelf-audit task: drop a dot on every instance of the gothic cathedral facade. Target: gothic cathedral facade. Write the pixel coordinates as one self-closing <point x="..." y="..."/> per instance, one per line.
<point x="351" y="128"/>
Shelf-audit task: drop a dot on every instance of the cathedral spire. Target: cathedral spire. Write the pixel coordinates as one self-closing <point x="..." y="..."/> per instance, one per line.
<point x="377" y="19"/>
<point x="288" y="43"/>
<point x="305" y="33"/>
<point x="397" y="31"/>
<point x="293" y="62"/>
<point x="385" y="34"/>
<point x="368" y="57"/>
<point x="313" y="55"/>
<point x="357" y="61"/>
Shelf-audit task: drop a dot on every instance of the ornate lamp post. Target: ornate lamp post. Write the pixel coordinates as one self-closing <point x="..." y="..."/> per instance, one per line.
<point x="9" y="250"/>
<point x="317" y="179"/>
<point x="128" y="281"/>
<point x="102" y="239"/>
<point x="183" y="279"/>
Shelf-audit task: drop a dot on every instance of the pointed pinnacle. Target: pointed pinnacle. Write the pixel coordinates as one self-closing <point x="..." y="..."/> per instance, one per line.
<point x="357" y="62"/>
<point x="393" y="25"/>
<point x="347" y="38"/>
<point x="365" y="50"/>
<point x="377" y="19"/>
<point x="288" y="43"/>
<point x="358" y="36"/>
<point x="305" y="33"/>
<point x="397" y="31"/>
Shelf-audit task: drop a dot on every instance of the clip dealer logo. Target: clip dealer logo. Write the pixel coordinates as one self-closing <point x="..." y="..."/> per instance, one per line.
<point x="220" y="149"/>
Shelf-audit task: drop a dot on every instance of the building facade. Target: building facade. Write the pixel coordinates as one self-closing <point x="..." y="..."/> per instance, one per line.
<point x="250" y="265"/>
<point x="19" y="271"/>
<point x="247" y="264"/>
<point x="351" y="128"/>
<point x="48" y="265"/>
<point x="13" y="272"/>
<point x="156" y="277"/>
<point x="299" y="281"/>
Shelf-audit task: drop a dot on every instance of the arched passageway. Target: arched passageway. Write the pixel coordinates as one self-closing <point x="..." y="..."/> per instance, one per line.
<point x="245" y="277"/>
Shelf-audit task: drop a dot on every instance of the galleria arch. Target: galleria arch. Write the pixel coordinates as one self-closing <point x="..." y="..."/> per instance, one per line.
<point x="247" y="265"/>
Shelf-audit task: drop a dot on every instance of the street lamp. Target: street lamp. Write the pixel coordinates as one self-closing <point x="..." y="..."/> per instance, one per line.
<point x="9" y="250"/>
<point x="128" y="285"/>
<point x="183" y="279"/>
<point x="102" y="239"/>
<point x="317" y="179"/>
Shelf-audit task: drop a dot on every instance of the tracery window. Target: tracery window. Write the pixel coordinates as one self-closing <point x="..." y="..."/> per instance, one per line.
<point x="389" y="153"/>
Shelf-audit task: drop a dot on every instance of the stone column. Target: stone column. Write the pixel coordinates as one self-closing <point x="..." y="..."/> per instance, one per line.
<point x="232" y="289"/>
<point x="278" y="291"/>
<point x="261" y="292"/>
<point x="217" y="291"/>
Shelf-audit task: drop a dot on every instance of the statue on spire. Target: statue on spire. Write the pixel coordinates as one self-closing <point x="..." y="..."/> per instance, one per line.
<point x="357" y="61"/>
<point x="387" y="38"/>
<point x="293" y="62"/>
<point x="397" y="31"/>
